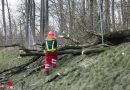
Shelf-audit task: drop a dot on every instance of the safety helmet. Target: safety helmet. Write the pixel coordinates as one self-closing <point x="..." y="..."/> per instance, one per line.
<point x="51" y="35"/>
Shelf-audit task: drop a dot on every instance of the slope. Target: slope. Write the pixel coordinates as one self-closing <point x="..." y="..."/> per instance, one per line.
<point x="109" y="70"/>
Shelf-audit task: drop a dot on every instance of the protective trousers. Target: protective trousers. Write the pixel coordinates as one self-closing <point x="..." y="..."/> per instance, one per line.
<point x="50" y="61"/>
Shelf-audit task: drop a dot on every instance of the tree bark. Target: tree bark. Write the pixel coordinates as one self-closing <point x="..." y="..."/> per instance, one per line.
<point x="27" y="21"/>
<point x="107" y="16"/>
<point x="91" y="15"/>
<point x="113" y="15"/>
<point x="33" y="18"/>
<point x="62" y="19"/>
<point x="10" y="26"/>
<point x="42" y="19"/>
<point x="124" y="14"/>
<point x="74" y="52"/>
<point x="46" y="18"/>
<point x="4" y="22"/>
<point x="128" y="14"/>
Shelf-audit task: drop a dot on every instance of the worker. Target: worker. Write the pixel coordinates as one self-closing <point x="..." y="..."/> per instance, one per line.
<point x="51" y="56"/>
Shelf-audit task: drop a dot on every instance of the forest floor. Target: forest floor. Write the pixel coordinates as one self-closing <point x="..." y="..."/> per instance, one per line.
<point x="109" y="70"/>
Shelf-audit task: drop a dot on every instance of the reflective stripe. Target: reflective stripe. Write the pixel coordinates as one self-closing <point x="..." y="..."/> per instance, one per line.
<point x="53" y="59"/>
<point x="52" y="46"/>
<point x="53" y="62"/>
<point x="47" y="65"/>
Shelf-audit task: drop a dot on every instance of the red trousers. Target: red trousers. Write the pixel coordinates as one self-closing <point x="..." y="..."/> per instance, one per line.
<point x="50" y="60"/>
<point x="2" y="87"/>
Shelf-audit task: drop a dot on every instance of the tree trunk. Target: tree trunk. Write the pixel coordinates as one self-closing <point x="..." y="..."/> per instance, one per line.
<point x="91" y="15"/>
<point x="95" y="16"/>
<point x="128" y="14"/>
<point x="71" y="4"/>
<point x="83" y="18"/>
<point x="27" y="21"/>
<point x="16" y="31"/>
<point x="124" y="14"/>
<point x="113" y="15"/>
<point x="21" y="34"/>
<point x="42" y="19"/>
<point x="61" y="17"/>
<point x="10" y="26"/>
<point x="4" y="22"/>
<point x="33" y="18"/>
<point x="74" y="52"/>
<point x="107" y="16"/>
<point x="46" y="18"/>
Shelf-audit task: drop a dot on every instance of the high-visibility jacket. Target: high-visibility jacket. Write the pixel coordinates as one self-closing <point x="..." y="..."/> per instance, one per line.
<point x="50" y="45"/>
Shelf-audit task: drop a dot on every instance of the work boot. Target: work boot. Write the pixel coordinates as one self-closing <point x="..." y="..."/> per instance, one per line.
<point x="46" y="74"/>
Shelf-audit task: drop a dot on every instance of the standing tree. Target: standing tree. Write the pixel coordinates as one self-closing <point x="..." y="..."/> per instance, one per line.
<point x="42" y="19"/>
<point x="62" y="20"/>
<point x="10" y="26"/>
<point x="46" y="17"/>
<point x="107" y="16"/>
<point x="71" y="4"/>
<point x="4" y="22"/>
<point x="27" y="2"/>
<point x="113" y="15"/>
<point x="32" y="17"/>
<point x="124" y="14"/>
<point x="129" y="14"/>
<point x="91" y="15"/>
<point x="29" y="23"/>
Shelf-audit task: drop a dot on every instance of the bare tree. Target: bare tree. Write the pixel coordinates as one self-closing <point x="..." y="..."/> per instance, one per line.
<point x="32" y="17"/>
<point x="61" y="17"/>
<point x="10" y="26"/>
<point x="46" y="17"/>
<point x="113" y="15"/>
<point x="28" y="30"/>
<point x="71" y="4"/>
<point x="27" y="20"/>
<point x="107" y="16"/>
<point x="4" y="22"/>
<point x="91" y="15"/>
<point x="42" y="19"/>
<point x="124" y="14"/>
<point x="129" y="14"/>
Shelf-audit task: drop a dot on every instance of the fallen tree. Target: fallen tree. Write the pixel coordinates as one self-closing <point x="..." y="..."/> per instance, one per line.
<point x="60" y="48"/>
<point x="17" y="69"/>
<point x="117" y="37"/>
<point x="71" y="51"/>
<point x="12" y="45"/>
